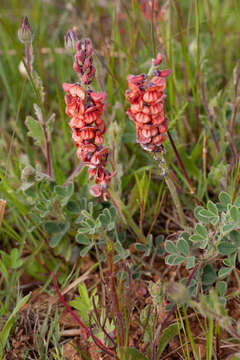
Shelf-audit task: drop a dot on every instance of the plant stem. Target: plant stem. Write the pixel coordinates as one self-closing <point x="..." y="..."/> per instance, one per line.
<point x="183" y="168"/>
<point x="88" y="332"/>
<point x="28" y="56"/>
<point x="120" y="207"/>
<point x="165" y="172"/>
<point x="74" y="174"/>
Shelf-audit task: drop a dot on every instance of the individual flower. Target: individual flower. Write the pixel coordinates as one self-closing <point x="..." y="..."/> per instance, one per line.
<point x="85" y="107"/>
<point x="151" y="8"/>
<point x="146" y="96"/>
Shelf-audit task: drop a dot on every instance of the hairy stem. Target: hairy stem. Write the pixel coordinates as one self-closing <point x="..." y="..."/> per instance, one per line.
<point x="74" y="174"/>
<point x="120" y="207"/>
<point x="165" y="172"/>
<point x="88" y="332"/>
<point x="183" y="168"/>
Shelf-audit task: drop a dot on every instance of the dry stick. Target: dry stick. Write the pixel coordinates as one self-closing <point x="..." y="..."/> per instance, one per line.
<point x="162" y="165"/>
<point x="87" y="331"/>
<point x="210" y="116"/>
<point x="175" y="306"/>
<point x="74" y="174"/>
<point x="183" y="168"/>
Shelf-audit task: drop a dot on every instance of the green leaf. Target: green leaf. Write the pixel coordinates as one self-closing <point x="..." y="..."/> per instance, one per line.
<point x="167" y="335"/>
<point x="85" y="250"/>
<point x="221" y="288"/>
<point x="234" y="212"/>
<point x="235" y="237"/>
<point x="190" y="262"/>
<point x="73" y="207"/>
<point x="104" y="219"/>
<point x="231" y="260"/>
<point x="237" y="202"/>
<point x="14" y="258"/>
<point x="209" y="275"/>
<point x="226" y="248"/>
<point x="225" y="198"/>
<point x="205" y="213"/>
<point x="55" y="240"/>
<point x="113" y="212"/>
<point x="83" y="240"/>
<point x="170" y="247"/>
<point x="183" y="247"/>
<point x="174" y="260"/>
<point x="224" y="271"/>
<point x="5" y="331"/>
<point x="198" y="216"/>
<point x="228" y="227"/>
<point x="52" y="227"/>
<point x="35" y="130"/>
<point x="133" y="354"/>
<point x="212" y="208"/>
<point x="202" y="231"/>
<point x="141" y="247"/>
<point x="196" y="238"/>
<point x="84" y="230"/>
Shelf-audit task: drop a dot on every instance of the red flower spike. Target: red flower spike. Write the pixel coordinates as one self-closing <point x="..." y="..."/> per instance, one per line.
<point x="147" y="107"/>
<point x="85" y="108"/>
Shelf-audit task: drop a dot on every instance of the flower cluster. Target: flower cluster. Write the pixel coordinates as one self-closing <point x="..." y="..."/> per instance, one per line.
<point x="83" y="61"/>
<point x="147" y="101"/>
<point x="85" y="108"/>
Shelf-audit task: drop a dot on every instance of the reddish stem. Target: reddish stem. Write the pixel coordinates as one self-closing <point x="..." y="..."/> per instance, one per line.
<point x="48" y="156"/>
<point x="88" y="332"/>
<point x="27" y="52"/>
<point x="74" y="174"/>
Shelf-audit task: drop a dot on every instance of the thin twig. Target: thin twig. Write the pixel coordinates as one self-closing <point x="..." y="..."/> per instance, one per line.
<point x="48" y="155"/>
<point x="165" y="173"/>
<point x="74" y="174"/>
<point x="87" y="331"/>
<point x="183" y="168"/>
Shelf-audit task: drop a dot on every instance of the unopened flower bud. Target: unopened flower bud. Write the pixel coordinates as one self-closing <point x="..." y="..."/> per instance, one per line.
<point x="70" y="40"/>
<point x="24" y="32"/>
<point x="157" y="61"/>
<point x="178" y="292"/>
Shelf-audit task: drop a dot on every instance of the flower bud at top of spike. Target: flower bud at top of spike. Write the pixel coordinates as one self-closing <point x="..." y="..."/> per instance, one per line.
<point x="157" y="61"/>
<point x="24" y="32"/>
<point x="70" y="40"/>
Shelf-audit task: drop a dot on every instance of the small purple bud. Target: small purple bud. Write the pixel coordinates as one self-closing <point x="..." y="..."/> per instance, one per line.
<point x="70" y="40"/>
<point x="24" y="32"/>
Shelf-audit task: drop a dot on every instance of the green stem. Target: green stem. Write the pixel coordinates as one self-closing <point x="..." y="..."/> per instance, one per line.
<point x="117" y="202"/>
<point x="163" y="166"/>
